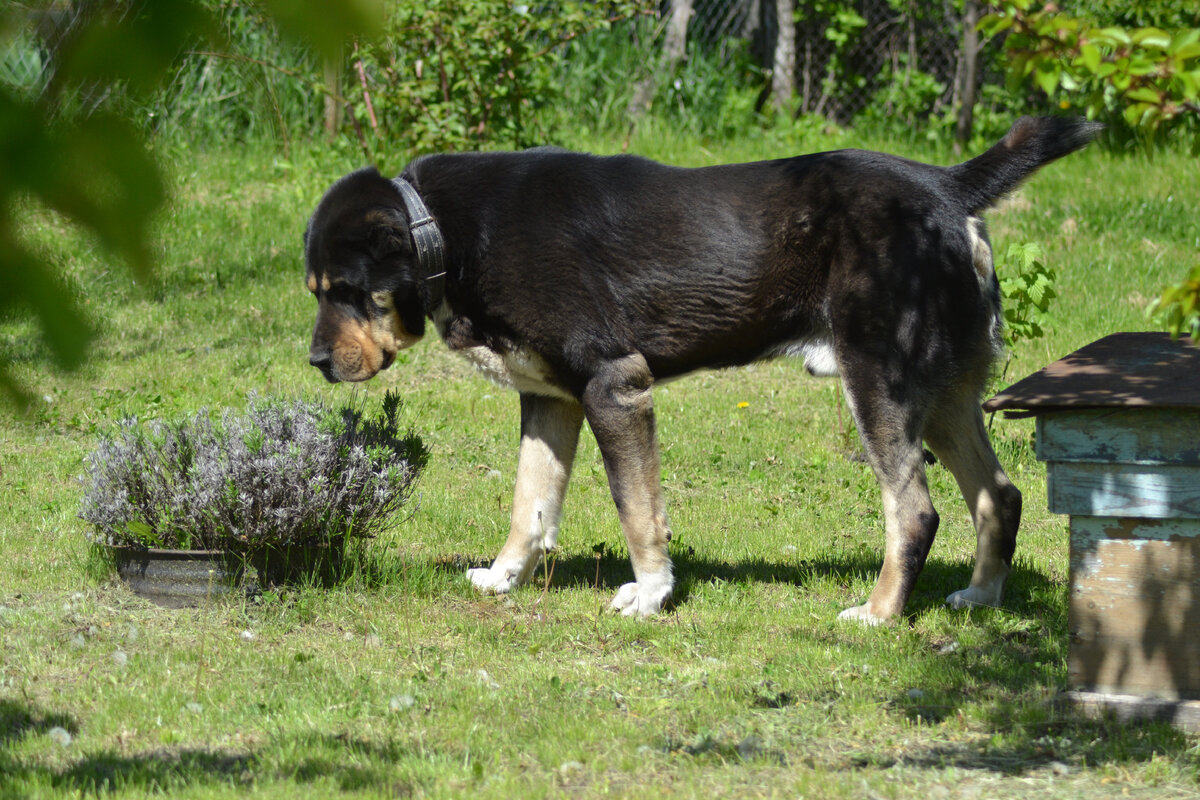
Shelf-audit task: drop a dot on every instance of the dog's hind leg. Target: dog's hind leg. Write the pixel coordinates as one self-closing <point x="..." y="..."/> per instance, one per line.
<point x="890" y="433"/>
<point x="620" y="410"/>
<point x="549" y="435"/>
<point x="957" y="436"/>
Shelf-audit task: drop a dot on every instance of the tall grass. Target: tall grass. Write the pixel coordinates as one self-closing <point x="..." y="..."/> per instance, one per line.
<point x="252" y="86"/>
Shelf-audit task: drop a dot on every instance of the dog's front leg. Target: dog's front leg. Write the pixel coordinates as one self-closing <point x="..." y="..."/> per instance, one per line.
<point x="549" y="435"/>
<point x="619" y="408"/>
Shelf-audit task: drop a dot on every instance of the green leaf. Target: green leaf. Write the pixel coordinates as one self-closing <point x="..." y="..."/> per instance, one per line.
<point x="327" y="26"/>
<point x="1113" y="35"/>
<point x="1045" y="76"/>
<point x="135" y="48"/>
<point x="1089" y="54"/>
<point x="1145" y="94"/>
<point x="1188" y="51"/>
<point x="1151" y="37"/>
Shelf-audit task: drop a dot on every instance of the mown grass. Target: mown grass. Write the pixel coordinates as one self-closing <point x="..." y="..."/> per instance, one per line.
<point x="403" y="682"/>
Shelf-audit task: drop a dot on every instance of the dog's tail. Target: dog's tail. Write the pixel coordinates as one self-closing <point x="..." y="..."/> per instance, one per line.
<point x="1031" y="143"/>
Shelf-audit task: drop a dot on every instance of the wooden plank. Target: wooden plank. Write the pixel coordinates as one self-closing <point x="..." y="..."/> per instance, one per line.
<point x="1183" y="714"/>
<point x="1134" y="618"/>
<point x="1087" y="531"/>
<point x="1120" y="370"/>
<point x="1123" y="490"/>
<point x="1120" y="435"/>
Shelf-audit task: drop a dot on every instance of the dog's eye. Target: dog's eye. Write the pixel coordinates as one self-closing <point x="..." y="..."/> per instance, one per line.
<point x="343" y="294"/>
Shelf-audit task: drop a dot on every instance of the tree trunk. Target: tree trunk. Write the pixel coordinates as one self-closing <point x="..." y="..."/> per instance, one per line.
<point x="970" y="59"/>
<point x="333" y="100"/>
<point x="783" y="68"/>
<point x="674" y="49"/>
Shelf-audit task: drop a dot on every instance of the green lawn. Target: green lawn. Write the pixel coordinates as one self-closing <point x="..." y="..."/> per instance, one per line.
<point x="403" y="682"/>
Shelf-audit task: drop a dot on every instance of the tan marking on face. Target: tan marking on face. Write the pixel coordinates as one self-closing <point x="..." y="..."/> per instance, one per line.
<point x="356" y="355"/>
<point x="312" y="283"/>
<point x="387" y="329"/>
<point x="325" y="283"/>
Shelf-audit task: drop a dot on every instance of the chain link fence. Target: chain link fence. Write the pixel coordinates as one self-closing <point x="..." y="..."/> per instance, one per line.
<point x="851" y="54"/>
<point x="30" y="49"/>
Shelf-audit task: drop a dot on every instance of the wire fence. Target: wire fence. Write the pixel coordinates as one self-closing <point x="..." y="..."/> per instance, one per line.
<point x="850" y="54"/>
<point x="29" y="56"/>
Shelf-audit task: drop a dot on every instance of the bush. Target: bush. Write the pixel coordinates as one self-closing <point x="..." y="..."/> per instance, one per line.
<point x="282" y="474"/>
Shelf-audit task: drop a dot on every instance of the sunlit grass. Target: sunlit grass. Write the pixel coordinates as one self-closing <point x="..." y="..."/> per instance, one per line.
<point x="402" y="681"/>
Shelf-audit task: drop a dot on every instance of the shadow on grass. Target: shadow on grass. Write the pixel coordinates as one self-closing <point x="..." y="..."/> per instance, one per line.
<point x="1012" y="682"/>
<point x="352" y="764"/>
<point x="607" y="570"/>
<point x="18" y="720"/>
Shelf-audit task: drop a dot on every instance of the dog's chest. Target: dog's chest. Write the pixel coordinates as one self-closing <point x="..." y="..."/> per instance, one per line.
<point x="519" y="368"/>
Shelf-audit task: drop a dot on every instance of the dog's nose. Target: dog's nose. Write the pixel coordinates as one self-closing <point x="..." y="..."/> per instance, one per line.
<point x="324" y="362"/>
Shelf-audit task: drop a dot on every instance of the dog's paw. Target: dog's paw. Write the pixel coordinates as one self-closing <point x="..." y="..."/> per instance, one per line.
<point x="642" y="599"/>
<point x="974" y="597"/>
<point x="864" y="615"/>
<point x="493" y="580"/>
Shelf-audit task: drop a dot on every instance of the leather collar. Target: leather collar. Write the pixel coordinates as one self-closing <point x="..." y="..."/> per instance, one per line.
<point x="431" y="248"/>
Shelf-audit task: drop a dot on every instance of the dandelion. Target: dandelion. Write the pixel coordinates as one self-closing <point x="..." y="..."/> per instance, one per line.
<point x="743" y="404"/>
<point x="60" y="736"/>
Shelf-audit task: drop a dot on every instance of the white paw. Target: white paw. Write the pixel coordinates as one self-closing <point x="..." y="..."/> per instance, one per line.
<point x="861" y="614"/>
<point x="973" y="597"/>
<point x="493" y="580"/>
<point x="643" y="599"/>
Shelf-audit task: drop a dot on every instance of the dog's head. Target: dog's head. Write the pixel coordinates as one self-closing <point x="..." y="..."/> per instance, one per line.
<point x="364" y="273"/>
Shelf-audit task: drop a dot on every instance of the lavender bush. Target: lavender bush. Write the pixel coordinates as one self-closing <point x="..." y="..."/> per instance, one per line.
<point x="283" y="473"/>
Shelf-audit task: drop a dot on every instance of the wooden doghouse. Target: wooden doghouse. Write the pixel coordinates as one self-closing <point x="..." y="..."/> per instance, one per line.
<point x="1118" y="425"/>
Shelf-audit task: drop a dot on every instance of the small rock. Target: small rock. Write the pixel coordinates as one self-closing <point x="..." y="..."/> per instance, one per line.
<point x="570" y="769"/>
<point x="247" y="636"/>
<point x="1060" y="769"/>
<point x="60" y="736"/>
<point x="119" y="658"/>
<point x="915" y="694"/>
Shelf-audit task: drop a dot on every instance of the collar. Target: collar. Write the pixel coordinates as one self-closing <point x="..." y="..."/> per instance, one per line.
<point x="431" y="248"/>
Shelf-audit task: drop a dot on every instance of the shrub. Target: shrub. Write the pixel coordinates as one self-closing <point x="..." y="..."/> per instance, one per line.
<point x="284" y="473"/>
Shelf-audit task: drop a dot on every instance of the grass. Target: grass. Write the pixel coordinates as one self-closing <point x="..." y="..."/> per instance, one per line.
<point x="403" y="682"/>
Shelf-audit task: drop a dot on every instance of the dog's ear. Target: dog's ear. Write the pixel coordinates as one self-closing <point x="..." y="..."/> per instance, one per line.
<point x="387" y="235"/>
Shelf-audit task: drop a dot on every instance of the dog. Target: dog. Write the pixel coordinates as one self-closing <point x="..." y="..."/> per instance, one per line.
<point x="580" y="281"/>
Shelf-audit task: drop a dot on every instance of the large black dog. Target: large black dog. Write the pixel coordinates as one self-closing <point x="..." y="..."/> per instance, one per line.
<point x="580" y="281"/>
